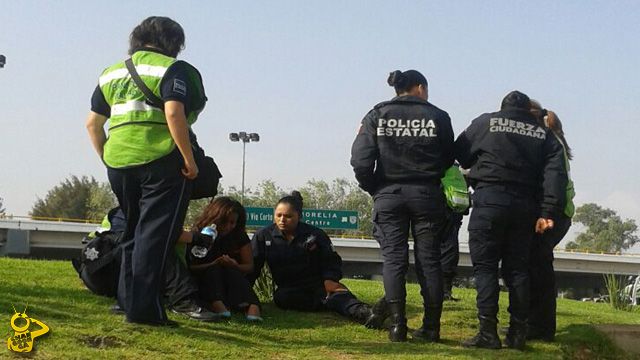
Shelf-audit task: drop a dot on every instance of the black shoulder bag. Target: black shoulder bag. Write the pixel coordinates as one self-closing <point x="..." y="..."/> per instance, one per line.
<point x="205" y="185"/>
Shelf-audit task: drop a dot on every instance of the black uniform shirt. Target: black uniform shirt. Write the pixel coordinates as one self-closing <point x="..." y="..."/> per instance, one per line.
<point x="174" y="86"/>
<point x="510" y="147"/>
<point x="406" y="139"/>
<point x="304" y="263"/>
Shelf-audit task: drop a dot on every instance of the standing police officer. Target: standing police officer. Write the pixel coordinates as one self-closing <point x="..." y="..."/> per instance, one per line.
<point x="401" y="152"/>
<point x="148" y="157"/>
<point x="518" y="173"/>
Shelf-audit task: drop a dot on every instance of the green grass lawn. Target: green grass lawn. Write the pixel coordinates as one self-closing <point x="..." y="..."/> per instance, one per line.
<point x="82" y="327"/>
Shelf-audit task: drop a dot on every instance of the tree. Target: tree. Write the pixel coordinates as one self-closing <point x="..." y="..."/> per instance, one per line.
<point x="1" y="208"/>
<point x="341" y="194"/>
<point x="75" y="198"/>
<point x="605" y="230"/>
<point x="101" y="200"/>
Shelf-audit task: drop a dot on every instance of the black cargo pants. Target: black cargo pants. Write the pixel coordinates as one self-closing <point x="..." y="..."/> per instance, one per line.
<point x="154" y="198"/>
<point x="542" y="313"/>
<point x="398" y="209"/>
<point x="501" y="227"/>
<point x="315" y="299"/>
<point x="449" y="249"/>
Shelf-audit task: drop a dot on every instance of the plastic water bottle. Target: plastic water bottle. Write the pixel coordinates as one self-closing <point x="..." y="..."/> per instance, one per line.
<point x="201" y="251"/>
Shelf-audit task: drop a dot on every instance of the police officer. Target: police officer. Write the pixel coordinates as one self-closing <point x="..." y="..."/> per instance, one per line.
<point x="401" y="152"/>
<point x="305" y="267"/>
<point x="519" y="177"/>
<point x="148" y="157"/>
<point x="541" y="322"/>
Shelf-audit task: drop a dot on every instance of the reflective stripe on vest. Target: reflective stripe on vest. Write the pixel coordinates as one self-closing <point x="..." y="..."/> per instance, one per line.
<point x="138" y="132"/>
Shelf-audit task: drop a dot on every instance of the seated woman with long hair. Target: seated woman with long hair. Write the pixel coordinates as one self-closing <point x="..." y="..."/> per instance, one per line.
<point x="221" y="273"/>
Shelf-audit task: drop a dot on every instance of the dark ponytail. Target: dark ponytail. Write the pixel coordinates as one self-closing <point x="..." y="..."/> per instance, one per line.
<point x="403" y="82"/>
<point x="294" y="200"/>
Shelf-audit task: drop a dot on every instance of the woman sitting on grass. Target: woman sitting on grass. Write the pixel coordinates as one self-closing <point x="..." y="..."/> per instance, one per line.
<point x="221" y="272"/>
<point x="305" y="267"/>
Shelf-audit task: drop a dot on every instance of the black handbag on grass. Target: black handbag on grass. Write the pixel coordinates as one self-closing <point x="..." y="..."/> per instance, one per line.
<point x="205" y="185"/>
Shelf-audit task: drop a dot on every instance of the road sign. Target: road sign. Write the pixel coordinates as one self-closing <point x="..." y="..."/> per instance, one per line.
<point x="324" y="219"/>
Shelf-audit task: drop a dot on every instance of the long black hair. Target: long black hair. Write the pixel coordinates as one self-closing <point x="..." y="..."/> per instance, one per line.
<point x="403" y="82"/>
<point x="159" y="32"/>
<point x="294" y="200"/>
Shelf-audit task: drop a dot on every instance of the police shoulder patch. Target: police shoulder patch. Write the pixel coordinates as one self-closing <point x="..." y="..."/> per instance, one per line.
<point x="179" y="87"/>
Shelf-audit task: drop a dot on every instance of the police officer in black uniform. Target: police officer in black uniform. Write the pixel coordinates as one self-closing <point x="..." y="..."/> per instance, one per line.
<point x="519" y="177"/>
<point x="304" y="266"/>
<point x="401" y="152"/>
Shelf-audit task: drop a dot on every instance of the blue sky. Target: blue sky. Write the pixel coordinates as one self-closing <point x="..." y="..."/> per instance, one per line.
<point x="303" y="74"/>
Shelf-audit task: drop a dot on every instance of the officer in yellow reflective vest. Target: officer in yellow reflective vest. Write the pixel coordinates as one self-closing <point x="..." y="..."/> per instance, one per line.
<point x="149" y="159"/>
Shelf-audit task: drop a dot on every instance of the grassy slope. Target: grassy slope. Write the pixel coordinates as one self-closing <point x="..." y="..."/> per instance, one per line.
<point x="57" y="297"/>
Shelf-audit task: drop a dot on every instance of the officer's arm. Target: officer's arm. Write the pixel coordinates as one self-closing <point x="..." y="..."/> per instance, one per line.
<point x="446" y="137"/>
<point x="465" y="145"/>
<point x="177" y="121"/>
<point x="555" y="178"/>
<point x="258" y="250"/>
<point x="95" y="126"/>
<point x="330" y="262"/>
<point x="364" y="153"/>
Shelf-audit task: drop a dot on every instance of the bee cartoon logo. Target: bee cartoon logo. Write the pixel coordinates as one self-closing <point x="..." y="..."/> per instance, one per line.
<point x="22" y="340"/>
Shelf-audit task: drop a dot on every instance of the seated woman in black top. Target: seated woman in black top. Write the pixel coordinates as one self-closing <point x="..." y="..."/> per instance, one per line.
<point x="221" y="273"/>
<point x="305" y="267"/>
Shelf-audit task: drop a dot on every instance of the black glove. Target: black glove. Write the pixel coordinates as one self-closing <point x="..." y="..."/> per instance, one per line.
<point x="200" y="239"/>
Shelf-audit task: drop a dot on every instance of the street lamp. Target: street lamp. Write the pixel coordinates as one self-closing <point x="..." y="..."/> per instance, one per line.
<point x="3" y="60"/>
<point x="245" y="138"/>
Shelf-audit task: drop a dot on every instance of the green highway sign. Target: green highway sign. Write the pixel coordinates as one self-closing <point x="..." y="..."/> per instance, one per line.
<point x="324" y="219"/>
<point x="259" y="216"/>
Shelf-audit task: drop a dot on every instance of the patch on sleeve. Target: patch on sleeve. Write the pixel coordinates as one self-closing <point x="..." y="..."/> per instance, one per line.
<point x="179" y="87"/>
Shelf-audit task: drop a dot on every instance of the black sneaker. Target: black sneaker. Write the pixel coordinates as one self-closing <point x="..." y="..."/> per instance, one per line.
<point x="190" y="309"/>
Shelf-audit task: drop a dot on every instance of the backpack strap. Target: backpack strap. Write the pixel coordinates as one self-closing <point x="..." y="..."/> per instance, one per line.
<point x="151" y="97"/>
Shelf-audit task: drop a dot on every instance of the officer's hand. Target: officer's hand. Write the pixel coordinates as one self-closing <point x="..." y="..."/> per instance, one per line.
<point x="331" y="286"/>
<point x="543" y="225"/>
<point x="190" y="170"/>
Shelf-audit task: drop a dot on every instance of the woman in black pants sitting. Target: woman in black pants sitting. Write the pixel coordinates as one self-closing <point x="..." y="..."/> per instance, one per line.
<point x="221" y="272"/>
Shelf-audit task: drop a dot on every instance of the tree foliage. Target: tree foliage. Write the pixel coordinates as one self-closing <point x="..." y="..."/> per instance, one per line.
<point x="606" y="231"/>
<point x="1" y="208"/>
<point x="340" y="194"/>
<point x="76" y="198"/>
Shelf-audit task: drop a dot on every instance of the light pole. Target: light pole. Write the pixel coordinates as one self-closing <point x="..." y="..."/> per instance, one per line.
<point x="245" y="138"/>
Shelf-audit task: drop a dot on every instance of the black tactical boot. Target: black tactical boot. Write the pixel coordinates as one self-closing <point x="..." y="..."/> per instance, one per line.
<point x="379" y="313"/>
<point x="430" y="329"/>
<point x="517" y="336"/>
<point x="487" y="336"/>
<point x="398" y="329"/>
<point x="448" y="288"/>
